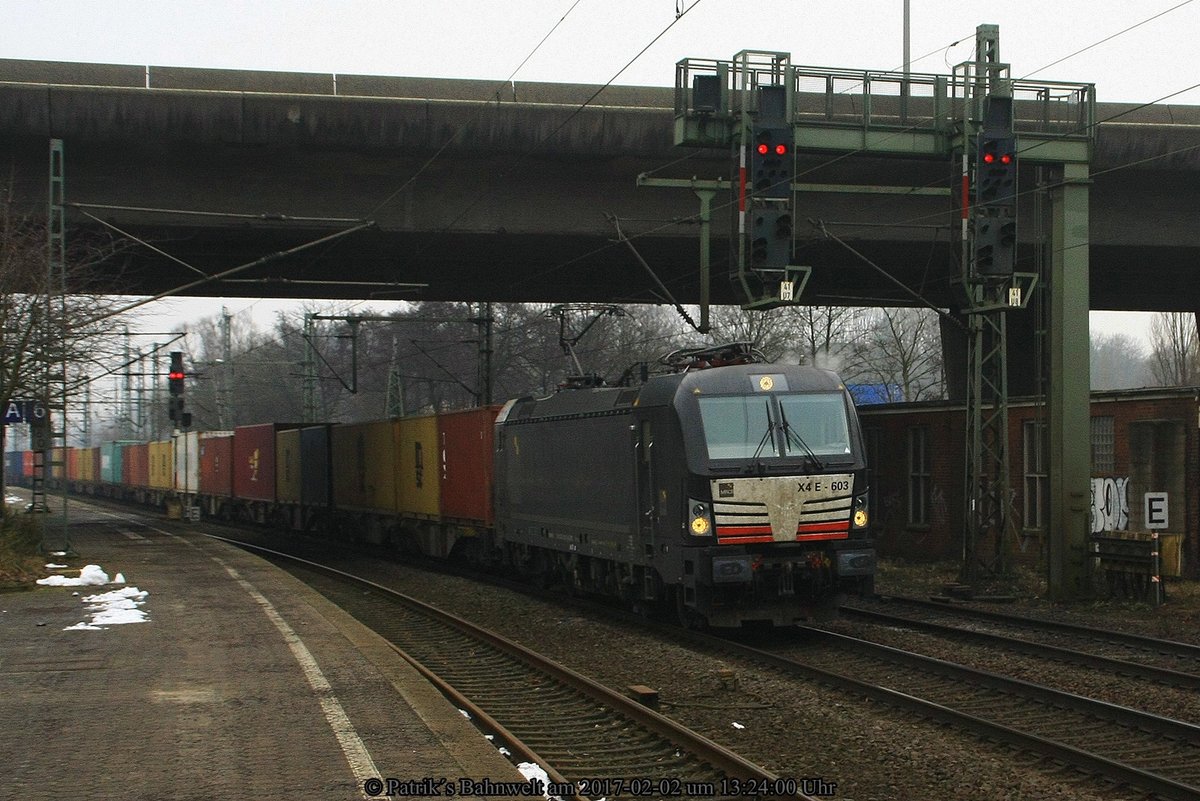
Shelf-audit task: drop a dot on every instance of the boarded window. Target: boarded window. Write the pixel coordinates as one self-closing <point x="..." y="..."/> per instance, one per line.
<point x="919" y="478"/>
<point x="1036" y="478"/>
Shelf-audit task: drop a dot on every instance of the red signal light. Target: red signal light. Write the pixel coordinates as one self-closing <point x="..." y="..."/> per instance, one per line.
<point x="1006" y="158"/>
<point x="989" y="157"/>
<point x="175" y="376"/>
<point x="763" y="148"/>
<point x="780" y="149"/>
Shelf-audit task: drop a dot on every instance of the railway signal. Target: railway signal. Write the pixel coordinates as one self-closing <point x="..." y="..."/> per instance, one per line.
<point x="175" y="379"/>
<point x="771" y="162"/>
<point x="770" y="239"/>
<point x="997" y="170"/>
<point x="994" y="229"/>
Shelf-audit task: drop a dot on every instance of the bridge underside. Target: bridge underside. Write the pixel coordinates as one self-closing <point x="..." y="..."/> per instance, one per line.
<point x="581" y="267"/>
<point x="517" y="209"/>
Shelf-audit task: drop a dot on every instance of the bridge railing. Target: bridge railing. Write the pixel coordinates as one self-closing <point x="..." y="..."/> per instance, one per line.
<point x="709" y="96"/>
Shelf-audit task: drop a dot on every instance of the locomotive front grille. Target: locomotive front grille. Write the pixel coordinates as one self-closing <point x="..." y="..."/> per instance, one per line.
<point x="782" y="508"/>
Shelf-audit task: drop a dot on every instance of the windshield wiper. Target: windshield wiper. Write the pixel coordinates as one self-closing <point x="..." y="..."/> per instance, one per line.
<point x="796" y="439"/>
<point x="767" y="435"/>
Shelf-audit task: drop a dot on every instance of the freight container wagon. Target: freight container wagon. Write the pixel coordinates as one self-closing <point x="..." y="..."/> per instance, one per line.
<point x="216" y="466"/>
<point x="419" y="470"/>
<point x="466" y="456"/>
<point x="135" y="467"/>
<point x="13" y="467"/>
<point x="364" y="461"/>
<point x="254" y="470"/>
<point x="73" y="464"/>
<point x="162" y="466"/>
<point x="303" y="477"/>
<point x="112" y="461"/>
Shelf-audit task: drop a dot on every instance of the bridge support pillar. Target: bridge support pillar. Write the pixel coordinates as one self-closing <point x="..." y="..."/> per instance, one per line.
<point x="1069" y="387"/>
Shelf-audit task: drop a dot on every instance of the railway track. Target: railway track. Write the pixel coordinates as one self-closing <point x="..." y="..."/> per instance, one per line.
<point x="1125" y="746"/>
<point x="585" y="735"/>
<point x="1163" y="661"/>
<point x="1138" y="655"/>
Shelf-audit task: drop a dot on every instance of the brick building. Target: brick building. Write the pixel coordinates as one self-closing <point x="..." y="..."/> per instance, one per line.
<point x="1142" y="441"/>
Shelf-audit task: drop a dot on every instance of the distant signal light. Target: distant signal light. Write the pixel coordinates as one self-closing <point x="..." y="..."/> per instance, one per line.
<point x="765" y="149"/>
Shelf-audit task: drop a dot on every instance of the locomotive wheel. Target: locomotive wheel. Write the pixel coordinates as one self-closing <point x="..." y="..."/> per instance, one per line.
<point x="686" y="616"/>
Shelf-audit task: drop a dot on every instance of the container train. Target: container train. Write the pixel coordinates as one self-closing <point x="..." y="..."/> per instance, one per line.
<point x="722" y="496"/>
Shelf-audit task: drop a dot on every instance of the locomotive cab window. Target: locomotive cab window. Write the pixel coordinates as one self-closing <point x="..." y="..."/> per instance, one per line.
<point x="820" y="422"/>
<point x="774" y="426"/>
<point x="734" y="427"/>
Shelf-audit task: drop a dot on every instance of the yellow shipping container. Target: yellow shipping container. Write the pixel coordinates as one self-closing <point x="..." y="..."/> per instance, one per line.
<point x="364" y="465"/>
<point x="162" y="465"/>
<point x="87" y="464"/>
<point x="287" y="465"/>
<point x="420" y="467"/>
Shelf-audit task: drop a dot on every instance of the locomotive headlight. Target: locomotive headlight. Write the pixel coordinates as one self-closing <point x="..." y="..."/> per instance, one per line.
<point x="700" y="522"/>
<point x="860" y="516"/>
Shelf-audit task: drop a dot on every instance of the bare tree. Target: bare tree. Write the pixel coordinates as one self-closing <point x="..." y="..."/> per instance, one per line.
<point x="44" y="332"/>
<point x="774" y="332"/>
<point x="825" y="334"/>
<point x="901" y="352"/>
<point x="1174" y="357"/>
<point x="1118" y="361"/>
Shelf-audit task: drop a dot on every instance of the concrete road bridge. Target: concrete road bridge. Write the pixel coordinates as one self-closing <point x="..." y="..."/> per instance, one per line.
<point x="515" y="192"/>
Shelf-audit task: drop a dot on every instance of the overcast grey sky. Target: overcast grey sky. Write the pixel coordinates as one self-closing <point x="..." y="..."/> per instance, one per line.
<point x="1150" y="55"/>
<point x="594" y="39"/>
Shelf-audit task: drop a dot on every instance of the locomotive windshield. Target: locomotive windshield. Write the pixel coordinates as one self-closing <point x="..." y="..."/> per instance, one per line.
<point x="777" y="425"/>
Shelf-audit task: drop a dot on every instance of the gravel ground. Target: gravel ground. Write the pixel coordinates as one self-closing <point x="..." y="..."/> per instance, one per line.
<point x="797" y="729"/>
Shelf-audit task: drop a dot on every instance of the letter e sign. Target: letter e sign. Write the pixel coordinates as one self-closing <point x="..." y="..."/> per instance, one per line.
<point x="1156" y="510"/>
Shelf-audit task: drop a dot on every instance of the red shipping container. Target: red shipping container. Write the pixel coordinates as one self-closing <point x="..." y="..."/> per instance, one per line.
<point x="73" y="464"/>
<point x="135" y="465"/>
<point x="466" y="445"/>
<point x="27" y="464"/>
<point x="216" y="465"/>
<point x="254" y="460"/>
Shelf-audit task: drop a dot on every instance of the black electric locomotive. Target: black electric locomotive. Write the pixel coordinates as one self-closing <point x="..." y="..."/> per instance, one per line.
<point x="731" y="494"/>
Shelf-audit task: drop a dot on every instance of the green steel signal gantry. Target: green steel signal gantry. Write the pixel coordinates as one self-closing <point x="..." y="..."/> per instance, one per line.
<point x="844" y="113"/>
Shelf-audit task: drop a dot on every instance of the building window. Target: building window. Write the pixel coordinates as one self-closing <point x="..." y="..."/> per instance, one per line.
<point x="919" y="479"/>
<point x="1036" y="478"/>
<point x="1103" y="447"/>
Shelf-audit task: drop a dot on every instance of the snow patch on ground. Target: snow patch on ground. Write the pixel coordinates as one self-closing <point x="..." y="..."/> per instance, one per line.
<point x="90" y="575"/>
<point x="113" y="608"/>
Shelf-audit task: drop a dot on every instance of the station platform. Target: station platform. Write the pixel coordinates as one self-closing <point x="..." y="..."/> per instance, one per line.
<point x="241" y="683"/>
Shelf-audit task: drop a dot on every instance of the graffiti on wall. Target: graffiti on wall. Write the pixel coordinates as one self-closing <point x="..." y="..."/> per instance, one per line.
<point x="1110" y="504"/>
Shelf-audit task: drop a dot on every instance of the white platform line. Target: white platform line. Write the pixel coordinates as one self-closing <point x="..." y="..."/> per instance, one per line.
<point x="357" y="755"/>
<point x="352" y="745"/>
